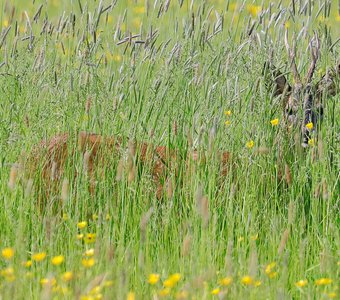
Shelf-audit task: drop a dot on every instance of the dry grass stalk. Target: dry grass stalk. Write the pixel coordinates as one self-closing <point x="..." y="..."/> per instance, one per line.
<point x="288" y="175"/>
<point x="65" y="190"/>
<point x="13" y="176"/>
<point x="283" y="242"/>
<point x="186" y="246"/>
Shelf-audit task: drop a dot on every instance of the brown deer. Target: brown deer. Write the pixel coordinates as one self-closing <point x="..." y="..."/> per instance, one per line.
<point x="54" y="154"/>
<point x="303" y="101"/>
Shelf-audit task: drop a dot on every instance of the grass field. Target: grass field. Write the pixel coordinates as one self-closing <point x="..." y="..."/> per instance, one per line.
<point x="186" y="75"/>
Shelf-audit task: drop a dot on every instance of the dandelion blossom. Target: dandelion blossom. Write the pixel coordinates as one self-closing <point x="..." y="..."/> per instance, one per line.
<point x="130" y="296"/>
<point x="215" y="291"/>
<point x="274" y="122"/>
<point x="311" y="142"/>
<point x="57" y="260"/>
<point x="88" y="263"/>
<point x="250" y="144"/>
<point x="7" y="253"/>
<point x="67" y="276"/>
<point x="82" y="224"/>
<point x="226" y="281"/>
<point x="310" y="125"/>
<point x="301" y="283"/>
<point x="227" y="113"/>
<point x="153" y="278"/>
<point x="89" y="252"/>
<point x="227" y="123"/>
<point x="39" y="256"/>
<point x="90" y="238"/>
<point x="247" y="280"/>
<point x="323" y="281"/>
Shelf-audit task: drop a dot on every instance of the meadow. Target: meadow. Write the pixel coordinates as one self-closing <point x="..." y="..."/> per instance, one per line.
<point x="186" y="75"/>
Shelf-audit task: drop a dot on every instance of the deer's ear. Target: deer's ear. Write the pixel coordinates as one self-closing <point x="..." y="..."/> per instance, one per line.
<point x="275" y="80"/>
<point x="329" y="83"/>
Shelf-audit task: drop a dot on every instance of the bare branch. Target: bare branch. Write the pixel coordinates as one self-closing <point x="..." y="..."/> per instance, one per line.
<point x="315" y="53"/>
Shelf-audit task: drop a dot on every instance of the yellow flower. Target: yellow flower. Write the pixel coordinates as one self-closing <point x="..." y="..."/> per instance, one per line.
<point x="130" y="296"/>
<point x="139" y="9"/>
<point x="94" y="217"/>
<point x="274" y="122"/>
<point x="7" y="253"/>
<point x="39" y="256"/>
<point x="90" y="238"/>
<point x="253" y="9"/>
<point x="309" y="125"/>
<point x="182" y="295"/>
<point x="57" y="260"/>
<point x="250" y="144"/>
<point x="247" y="280"/>
<point x="254" y="237"/>
<point x="323" y="281"/>
<point x="89" y="252"/>
<point x="27" y="263"/>
<point x="172" y="280"/>
<point x="257" y="283"/>
<point x="82" y="224"/>
<point x="272" y="275"/>
<point x="164" y="292"/>
<point x="301" y="283"/>
<point x="215" y="291"/>
<point x="287" y="24"/>
<point x="331" y="295"/>
<point x="65" y="217"/>
<point x="5" y="23"/>
<point x="226" y="281"/>
<point x="67" y="276"/>
<point x="88" y="263"/>
<point x="269" y="268"/>
<point x="311" y="142"/>
<point x="153" y="278"/>
<point x="8" y="273"/>
<point x="80" y="236"/>
<point x="48" y="281"/>
<point x="108" y="217"/>
<point x="227" y="113"/>
<point x="107" y="283"/>
<point x="227" y="123"/>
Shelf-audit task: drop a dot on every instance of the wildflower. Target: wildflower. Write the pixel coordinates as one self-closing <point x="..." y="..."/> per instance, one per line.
<point x="82" y="224"/>
<point x="254" y="237"/>
<point x="247" y="280"/>
<point x="90" y="238"/>
<point x="89" y="252"/>
<point x="164" y="292"/>
<point x="7" y="253"/>
<point x="172" y="280"/>
<point x="139" y="9"/>
<point x="67" y="276"/>
<point x="254" y="10"/>
<point x="250" y="144"/>
<point x="8" y="272"/>
<point x="57" y="260"/>
<point x="65" y="217"/>
<point x="48" y="281"/>
<point x="331" y="295"/>
<point x="323" y="281"/>
<point x="39" y="256"/>
<point x="108" y="217"/>
<point x="269" y="268"/>
<point x="5" y="23"/>
<point x="240" y="239"/>
<point x="272" y="275"/>
<point x="287" y="24"/>
<point x="257" y="283"/>
<point x="182" y="295"/>
<point x="80" y="236"/>
<point x="227" y="113"/>
<point x="226" y="281"/>
<point x="107" y="283"/>
<point x="130" y="296"/>
<point x="153" y="278"/>
<point x="88" y="263"/>
<point x="94" y="217"/>
<point x="301" y="283"/>
<point x="311" y="142"/>
<point x="274" y="122"/>
<point x="227" y="123"/>
<point x="310" y="125"/>
<point x="215" y="291"/>
<point x="27" y="263"/>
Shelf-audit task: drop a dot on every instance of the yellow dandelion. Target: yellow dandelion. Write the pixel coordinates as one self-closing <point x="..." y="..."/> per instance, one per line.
<point x="272" y="275"/>
<point x="274" y="122"/>
<point x="65" y="217"/>
<point x="227" y="113"/>
<point x="215" y="291"/>
<point x="130" y="296"/>
<point x="310" y="125"/>
<point x="226" y="281"/>
<point x="8" y="274"/>
<point x="48" y="281"/>
<point x="89" y="252"/>
<point x="287" y="24"/>
<point x="301" y="283"/>
<point x="82" y="224"/>
<point x="153" y="278"/>
<point x="90" y="238"/>
<point x="27" y="263"/>
<point x="88" y="262"/>
<point x="80" y="236"/>
<point x="39" y="256"/>
<point x="254" y="10"/>
<point x="250" y="144"/>
<point x="257" y="283"/>
<point x="164" y="292"/>
<point x="7" y="253"/>
<point x="269" y="268"/>
<point x="57" y="260"/>
<point x="247" y="280"/>
<point x="67" y="276"/>
<point x="331" y="295"/>
<point x="323" y="281"/>
<point x="311" y="142"/>
<point x="172" y="280"/>
<point x="227" y="123"/>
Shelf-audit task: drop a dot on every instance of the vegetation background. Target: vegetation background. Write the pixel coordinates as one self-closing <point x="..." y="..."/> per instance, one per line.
<point x="185" y="74"/>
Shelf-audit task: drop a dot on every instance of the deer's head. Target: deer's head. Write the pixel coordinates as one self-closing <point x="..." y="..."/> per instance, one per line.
<point x="303" y="101"/>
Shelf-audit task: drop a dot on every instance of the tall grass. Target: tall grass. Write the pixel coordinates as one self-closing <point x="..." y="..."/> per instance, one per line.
<point x="165" y="73"/>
